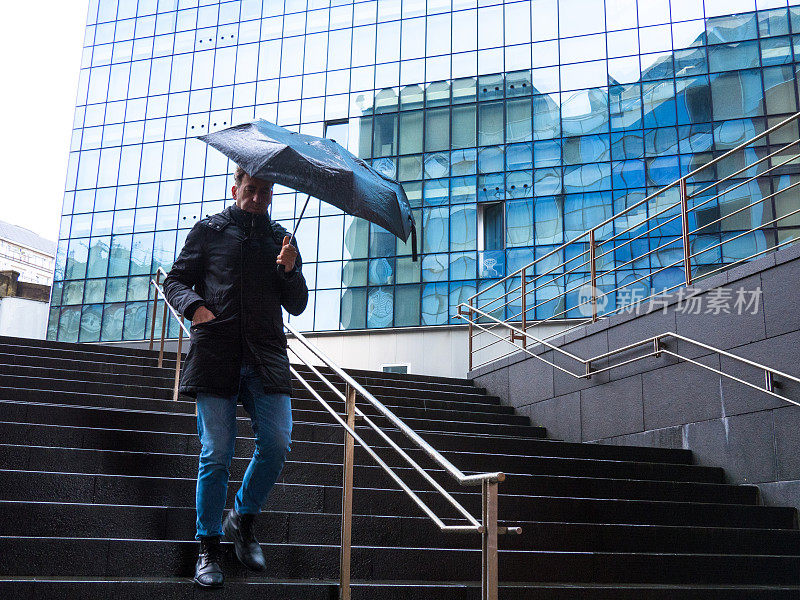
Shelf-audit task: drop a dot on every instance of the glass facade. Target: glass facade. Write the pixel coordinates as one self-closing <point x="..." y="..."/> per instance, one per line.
<point x="513" y="127"/>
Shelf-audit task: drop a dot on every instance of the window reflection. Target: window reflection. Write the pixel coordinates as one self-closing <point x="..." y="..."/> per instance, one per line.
<point x="599" y="104"/>
<point x="406" y="305"/>
<point x="435" y="303"/>
<point x="380" y="307"/>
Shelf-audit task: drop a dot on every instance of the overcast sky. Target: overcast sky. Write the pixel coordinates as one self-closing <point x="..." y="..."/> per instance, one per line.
<point x="41" y="48"/>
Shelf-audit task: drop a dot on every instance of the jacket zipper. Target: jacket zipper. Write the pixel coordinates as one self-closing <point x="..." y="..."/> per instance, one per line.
<point x="241" y="285"/>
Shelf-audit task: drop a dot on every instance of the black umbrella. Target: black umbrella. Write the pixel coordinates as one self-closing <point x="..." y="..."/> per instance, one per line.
<point x="321" y="168"/>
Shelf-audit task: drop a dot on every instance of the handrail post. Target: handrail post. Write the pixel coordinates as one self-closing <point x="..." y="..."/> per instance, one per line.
<point x="489" y="574"/>
<point x="593" y="273"/>
<point x="155" y="310"/>
<point x="347" y="498"/>
<point x="524" y="308"/>
<point x="469" y="320"/>
<point x="177" y="362"/>
<point x="687" y="257"/>
<point x="163" y="334"/>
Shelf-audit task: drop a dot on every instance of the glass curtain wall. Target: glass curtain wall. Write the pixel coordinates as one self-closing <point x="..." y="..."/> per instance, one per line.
<point x="513" y="126"/>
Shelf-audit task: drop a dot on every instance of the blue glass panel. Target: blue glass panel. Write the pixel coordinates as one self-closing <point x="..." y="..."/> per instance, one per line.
<point x="73" y="292"/>
<point x="546" y="118"/>
<point x="138" y="288"/>
<point x="491" y="264"/>
<point x="354" y="308"/>
<point x="519" y="156"/>
<point x="584" y="112"/>
<point x="462" y="265"/>
<point x="491" y="160"/>
<point x="628" y="173"/>
<point x="463" y="189"/>
<point x="729" y="57"/>
<point x="519" y="184"/>
<point x="586" y="149"/>
<point x="547" y="153"/>
<point x="381" y="272"/>
<point x="691" y="61"/>
<point x="662" y="171"/>
<point x="463" y="227"/>
<point x="584" y="211"/>
<point x="779" y="92"/>
<point x="737" y="94"/>
<point x="69" y="324"/>
<point x="659" y="103"/>
<point x="435" y="226"/>
<point x="519" y="223"/>
<point x="326" y="310"/>
<point x="406" y="305"/>
<point x="381" y="242"/>
<point x="435" y="303"/>
<point x="435" y="191"/>
<point x="464" y="162"/>
<point x="776" y="51"/>
<point x="459" y="292"/>
<point x="548" y="221"/>
<point x="491" y="188"/>
<point x="546" y="182"/>
<point x="135" y="320"/>
<point x="380" y="307"/>
<point x="516" y="258"/>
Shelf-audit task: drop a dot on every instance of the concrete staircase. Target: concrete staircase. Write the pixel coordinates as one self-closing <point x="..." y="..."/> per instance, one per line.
<point x="97" y="478"/>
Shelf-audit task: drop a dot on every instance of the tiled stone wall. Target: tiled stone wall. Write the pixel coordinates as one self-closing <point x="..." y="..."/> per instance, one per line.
<point x="669" y="403"/>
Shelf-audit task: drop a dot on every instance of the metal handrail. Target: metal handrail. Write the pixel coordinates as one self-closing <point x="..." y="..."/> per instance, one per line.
<point x="588" y="370"/>
<point x="487" y="527"/>
<point x="434" y="454"/>
<point x="599" y="245"/>
<point x="655" y="341"/>
<point x="475" y="525"/>
<point x="156" y="283"/>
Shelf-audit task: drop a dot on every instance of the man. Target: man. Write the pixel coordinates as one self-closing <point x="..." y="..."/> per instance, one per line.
<point x="235" y="272"/>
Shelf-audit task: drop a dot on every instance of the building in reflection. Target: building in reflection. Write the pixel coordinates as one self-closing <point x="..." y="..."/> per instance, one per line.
<point x="513" y="127"/>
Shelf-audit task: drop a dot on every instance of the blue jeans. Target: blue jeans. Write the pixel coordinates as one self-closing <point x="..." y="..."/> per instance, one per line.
<point x="271" y="418"/>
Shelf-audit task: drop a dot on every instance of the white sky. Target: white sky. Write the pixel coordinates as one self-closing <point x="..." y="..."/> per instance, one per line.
<point x="40" y="45"/>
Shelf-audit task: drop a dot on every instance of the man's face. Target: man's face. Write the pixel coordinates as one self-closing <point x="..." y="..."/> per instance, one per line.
<point x="253" y="195"/>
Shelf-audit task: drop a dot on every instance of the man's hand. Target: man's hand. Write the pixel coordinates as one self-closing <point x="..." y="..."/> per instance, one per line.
<point x="288" y="254"/>
<point x="202" y="315"/>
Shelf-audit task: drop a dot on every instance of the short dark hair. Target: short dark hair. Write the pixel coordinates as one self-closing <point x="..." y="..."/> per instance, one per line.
<point x="238" y="175"/>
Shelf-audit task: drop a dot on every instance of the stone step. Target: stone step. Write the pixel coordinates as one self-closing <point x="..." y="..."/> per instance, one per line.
<point x="244" y="588"/>
<point x="40" y="519"/>
<point x="144" y="400"/>
<point x="475" y="452"/>
<point x="312" y="424"/>
<point x="557" y="476"/>
<point x="167" y="558"/>
<point x="169" y="491"/>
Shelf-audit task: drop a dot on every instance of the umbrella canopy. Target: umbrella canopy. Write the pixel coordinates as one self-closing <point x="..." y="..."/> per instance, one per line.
<point x="319" y="167"/>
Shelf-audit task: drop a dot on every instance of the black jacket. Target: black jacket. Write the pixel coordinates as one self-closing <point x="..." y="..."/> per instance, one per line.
<point x="228" y="265"/>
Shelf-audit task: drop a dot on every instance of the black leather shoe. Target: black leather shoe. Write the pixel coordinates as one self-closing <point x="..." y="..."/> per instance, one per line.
<point x="208" y="570"/>
<point x="239" y="530"/>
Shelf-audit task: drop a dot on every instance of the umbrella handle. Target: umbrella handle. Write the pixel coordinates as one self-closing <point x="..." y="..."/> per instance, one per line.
<point x="280" y="268"/>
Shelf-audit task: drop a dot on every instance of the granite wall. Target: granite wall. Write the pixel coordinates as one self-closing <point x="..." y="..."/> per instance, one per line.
<point x="666" y="402"/>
